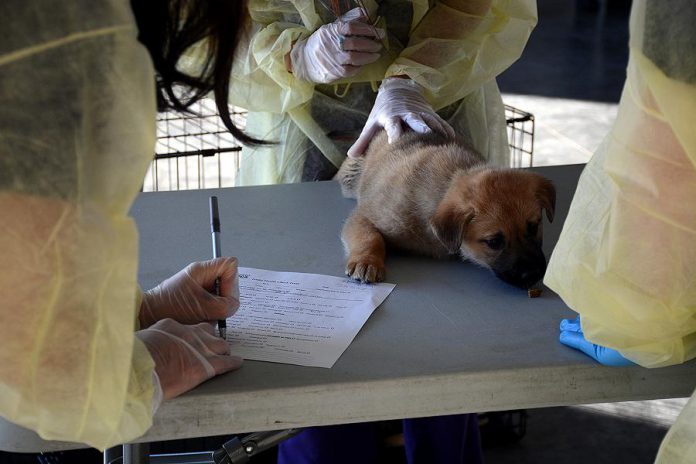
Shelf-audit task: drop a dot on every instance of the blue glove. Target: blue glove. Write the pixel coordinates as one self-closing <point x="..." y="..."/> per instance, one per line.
<point x="572" y="336"/>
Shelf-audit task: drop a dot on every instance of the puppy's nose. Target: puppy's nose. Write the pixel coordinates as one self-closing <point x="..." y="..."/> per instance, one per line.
<point x="524" y="274"/>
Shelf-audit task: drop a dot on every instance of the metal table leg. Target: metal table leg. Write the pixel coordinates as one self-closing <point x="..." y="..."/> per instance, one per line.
<point x="113" y="455"/>
<point x="136" y="453"/>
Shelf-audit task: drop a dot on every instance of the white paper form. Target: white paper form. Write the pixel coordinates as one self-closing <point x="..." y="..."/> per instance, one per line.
<point x="297" y="318"/>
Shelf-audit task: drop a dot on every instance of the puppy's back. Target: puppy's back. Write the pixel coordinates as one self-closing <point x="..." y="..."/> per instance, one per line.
<point x="414" y="165"/>
<point x="400" y="185"/>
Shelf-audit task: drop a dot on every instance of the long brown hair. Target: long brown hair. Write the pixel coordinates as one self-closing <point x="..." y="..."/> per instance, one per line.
<point x="168" y="28"/>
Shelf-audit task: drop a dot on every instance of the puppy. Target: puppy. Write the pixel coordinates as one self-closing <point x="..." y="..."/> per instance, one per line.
<point x="435" y="196"/>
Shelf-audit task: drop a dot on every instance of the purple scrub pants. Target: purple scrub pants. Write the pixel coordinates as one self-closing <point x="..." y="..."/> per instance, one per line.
<point x="429" y="440"/>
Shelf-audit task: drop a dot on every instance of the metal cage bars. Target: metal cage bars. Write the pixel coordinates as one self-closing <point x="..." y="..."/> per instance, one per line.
<point x="195" y="151"/>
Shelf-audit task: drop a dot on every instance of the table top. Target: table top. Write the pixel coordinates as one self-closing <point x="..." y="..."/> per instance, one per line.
<point x="451" y="338"/>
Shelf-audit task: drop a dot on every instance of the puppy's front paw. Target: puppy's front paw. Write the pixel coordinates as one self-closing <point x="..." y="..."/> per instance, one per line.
<point x="366" y="269"/>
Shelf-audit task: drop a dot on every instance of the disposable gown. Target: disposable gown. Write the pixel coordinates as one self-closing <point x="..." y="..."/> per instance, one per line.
<point x="453" y="54"/>
<point x="626" y="258"/>
<point x="77" y="115"/>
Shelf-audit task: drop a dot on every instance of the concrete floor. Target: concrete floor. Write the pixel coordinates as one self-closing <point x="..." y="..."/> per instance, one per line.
<point x="575" y="435"/>
<point x="570" y="76"/>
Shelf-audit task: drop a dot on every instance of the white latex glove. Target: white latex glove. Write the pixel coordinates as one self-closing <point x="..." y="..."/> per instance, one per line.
<point x="400" y="104"/>
<point x="337" y="50"/>
<point x="186" y="355"/>
<point x="188" y="295"/>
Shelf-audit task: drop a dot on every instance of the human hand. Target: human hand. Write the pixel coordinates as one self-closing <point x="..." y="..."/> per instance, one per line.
<point x="186" y="355"/>
<point x="337" y="50"/>
<point x="572" y="336"/>
<point x="188" y="296"/>
<point x="400" y="104"/>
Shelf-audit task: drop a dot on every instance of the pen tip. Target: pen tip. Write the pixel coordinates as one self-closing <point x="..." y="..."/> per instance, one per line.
<point x="223" y="332"/>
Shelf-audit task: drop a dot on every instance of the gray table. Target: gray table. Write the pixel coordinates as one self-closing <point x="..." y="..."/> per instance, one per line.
<point x="451" y="338"/>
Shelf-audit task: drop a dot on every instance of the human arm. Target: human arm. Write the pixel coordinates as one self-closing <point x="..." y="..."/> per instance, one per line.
<point x="452" y="51"/>
<point x="187" y="355"/>
<point x="336" y="50"/>
<point x="260" y="80"/>
<point x="263" y="78"/>
<point x="60" y="330"/>
<point x="400" y="105"/>
<point x="76" y="143"/>
<point x="458" y="45"/>
<point x="70" y="368"/>
<point x="626" y="259"/>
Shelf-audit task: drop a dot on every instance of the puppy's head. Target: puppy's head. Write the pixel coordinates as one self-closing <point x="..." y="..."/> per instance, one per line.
<point x="493" y="217"/>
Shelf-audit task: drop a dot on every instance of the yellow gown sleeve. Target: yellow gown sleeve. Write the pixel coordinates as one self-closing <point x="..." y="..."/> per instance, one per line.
<point x="77" y="114"/>
<point x="260" y="80"/>
<point x="459" y="45"/>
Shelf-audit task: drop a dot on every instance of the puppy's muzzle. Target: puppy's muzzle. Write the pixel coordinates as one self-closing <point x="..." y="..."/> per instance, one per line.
<point x="524" y="271"/>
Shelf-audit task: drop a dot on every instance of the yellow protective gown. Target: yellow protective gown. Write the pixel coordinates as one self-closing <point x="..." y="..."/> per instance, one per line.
<point x="626" y="258"/>
<point x="453" y="53"/>
<point x="77" y="129"/>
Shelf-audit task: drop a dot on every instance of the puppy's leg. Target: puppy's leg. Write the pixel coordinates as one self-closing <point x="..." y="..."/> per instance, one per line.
<point x="349" y="175"/>
<point x="365" y="249"/>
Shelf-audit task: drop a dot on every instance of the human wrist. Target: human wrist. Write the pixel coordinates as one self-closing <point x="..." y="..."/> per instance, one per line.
<point x="297" y="61"/>
<point x="287" y="58"/>
<point x="400" y="82"/>
<point x="145" y="316"/>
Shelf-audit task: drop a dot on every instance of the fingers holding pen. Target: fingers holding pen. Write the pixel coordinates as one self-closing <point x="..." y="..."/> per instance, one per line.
<point x="205" y="273"/>
<point x="229" y="284"/>
<point x="229" y="278"/>
<point x="188" y="296"/>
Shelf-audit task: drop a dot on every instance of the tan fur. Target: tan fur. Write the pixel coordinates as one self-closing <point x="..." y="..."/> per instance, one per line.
<point x="437" y="197"/>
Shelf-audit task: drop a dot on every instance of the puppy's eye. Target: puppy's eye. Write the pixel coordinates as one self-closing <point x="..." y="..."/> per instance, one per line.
<point x="495" y="242"/>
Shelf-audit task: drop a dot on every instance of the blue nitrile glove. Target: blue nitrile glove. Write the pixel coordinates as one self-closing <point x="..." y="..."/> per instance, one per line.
<point x="572" y="336"/>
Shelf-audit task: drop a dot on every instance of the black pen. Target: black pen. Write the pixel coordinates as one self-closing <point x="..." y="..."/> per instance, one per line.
<point x="215" y="232"/>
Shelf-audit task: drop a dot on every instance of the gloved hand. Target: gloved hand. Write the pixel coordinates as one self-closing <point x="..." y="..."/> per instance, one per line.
<point x="572" y="336"/>
<point x="188" y="295"/>
<point x="400" y="104"/>
<point x="186" y="355"/>
<point x="337" y="50"/>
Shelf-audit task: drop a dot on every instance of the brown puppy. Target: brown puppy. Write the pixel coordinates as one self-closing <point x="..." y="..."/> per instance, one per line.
<point x="435" y="196"/>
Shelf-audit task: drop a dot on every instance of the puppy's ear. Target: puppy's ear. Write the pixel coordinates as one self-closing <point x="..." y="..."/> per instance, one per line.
<point x="455" y="212"/>
<point x="449" y="222"/>
<point x="546" y="195"/>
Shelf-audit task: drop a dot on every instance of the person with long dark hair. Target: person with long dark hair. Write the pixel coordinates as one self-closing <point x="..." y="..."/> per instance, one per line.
<point x="86" y="356"/>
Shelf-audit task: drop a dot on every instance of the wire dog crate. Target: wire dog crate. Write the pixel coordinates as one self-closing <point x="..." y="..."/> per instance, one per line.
<point x="195" y="151"/>
<point x="520" y="131"/>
